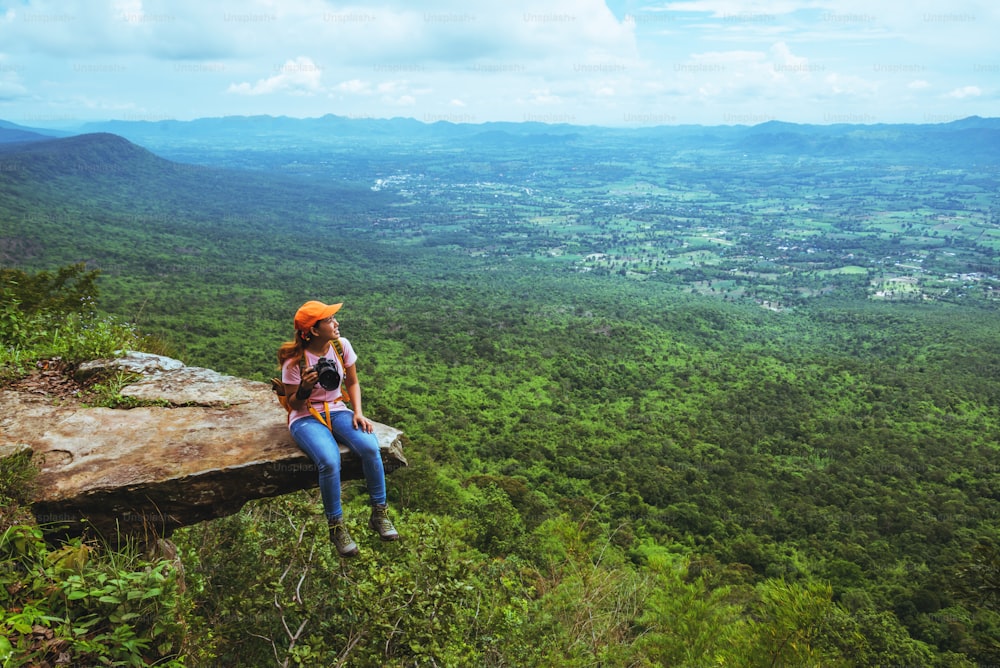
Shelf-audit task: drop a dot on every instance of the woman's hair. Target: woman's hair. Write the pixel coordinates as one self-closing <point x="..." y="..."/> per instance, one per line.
<point x="291" y="350"/>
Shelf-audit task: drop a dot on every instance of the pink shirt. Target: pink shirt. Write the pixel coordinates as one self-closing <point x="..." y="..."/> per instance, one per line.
<point x="290" y="375"/>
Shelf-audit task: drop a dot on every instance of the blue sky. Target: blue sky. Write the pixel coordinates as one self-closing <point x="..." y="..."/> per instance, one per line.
<point x="616" y="63"/>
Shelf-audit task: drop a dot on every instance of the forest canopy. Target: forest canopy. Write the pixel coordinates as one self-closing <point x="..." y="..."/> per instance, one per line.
<point x="744" y="459"/>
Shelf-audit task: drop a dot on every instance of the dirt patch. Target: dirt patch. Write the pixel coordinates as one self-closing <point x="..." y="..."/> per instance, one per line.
<point x="54" y="379"/>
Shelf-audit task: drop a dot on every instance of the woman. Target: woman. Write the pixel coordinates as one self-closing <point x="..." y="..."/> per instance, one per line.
<point x="318" y="418"/>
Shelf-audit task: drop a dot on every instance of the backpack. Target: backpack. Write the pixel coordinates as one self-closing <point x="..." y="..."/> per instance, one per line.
<point x="279" y="388"/>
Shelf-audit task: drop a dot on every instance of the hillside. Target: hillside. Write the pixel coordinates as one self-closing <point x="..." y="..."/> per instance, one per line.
<point x="95" y="198"/>
<point x="118" y="164"/>
<point x="12" y="132"/>
<point x="8" y="136"/>
<point x="89" y="154"/>
<point x="703" y="474"/>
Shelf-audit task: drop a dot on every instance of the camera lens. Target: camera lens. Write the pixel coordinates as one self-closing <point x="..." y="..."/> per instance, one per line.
<point x="329" y="375"/>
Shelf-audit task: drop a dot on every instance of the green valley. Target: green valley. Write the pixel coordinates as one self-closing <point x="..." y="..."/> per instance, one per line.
<point x="681" y="396"/>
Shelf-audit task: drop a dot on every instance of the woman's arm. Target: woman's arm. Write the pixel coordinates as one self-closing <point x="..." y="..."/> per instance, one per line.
<point x="295" y="400"/>
<point x="353" y="388"/>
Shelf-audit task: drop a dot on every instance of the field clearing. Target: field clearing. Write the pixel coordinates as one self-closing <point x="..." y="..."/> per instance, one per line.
<point x="627" y="224"/>
<point x="701" y="241"/>
<point x="848" y="270"/>
<point x="641" y="188"/>
<point x="890" y="227"/>
<point x="694" y="258"/>
<point x="803" y="232"/>
<point x="579" y="229"/>
<point x="923" y="242"/>
<point x="990" y="238"/>
<point x="718" y="240"/>
<point x="554" y="219"/>
<point x="897" y="287"/>
<point x="652" y="213"/>
<point x="718" y="287"/>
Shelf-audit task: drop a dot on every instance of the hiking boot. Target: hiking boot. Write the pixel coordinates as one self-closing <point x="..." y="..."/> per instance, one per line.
<point x="380" y="523"/>
<point x="341" y="539"/>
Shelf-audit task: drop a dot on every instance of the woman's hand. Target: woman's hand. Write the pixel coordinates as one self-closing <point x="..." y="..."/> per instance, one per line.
<point x="363" y="423"/>
<point x="301" y="392"/>
<point x="309" y="378"/>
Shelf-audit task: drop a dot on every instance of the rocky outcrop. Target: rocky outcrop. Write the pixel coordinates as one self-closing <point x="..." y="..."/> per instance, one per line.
<point x="208" y="445"/>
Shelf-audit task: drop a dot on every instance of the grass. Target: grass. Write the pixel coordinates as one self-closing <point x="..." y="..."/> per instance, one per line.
<point x="107" y="393"/>
<point x="17" y="488"/>
<point x="848" y="270"/>
<point x="27" y="337"/>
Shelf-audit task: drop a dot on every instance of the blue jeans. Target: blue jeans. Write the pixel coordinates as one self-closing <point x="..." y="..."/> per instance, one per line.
<point x="313" y="437"/>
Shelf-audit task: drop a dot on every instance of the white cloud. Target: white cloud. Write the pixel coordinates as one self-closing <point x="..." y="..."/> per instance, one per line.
<point x="11" y="90"/>
<point x="739" y="8"/>
<point x="390" y="87"/>
<point x="769" y="74"/>
<point x="300" y="76"/>
<point x="84" y="29"/>
<point x="400" y="101"/>
<point x="540" y="97"/>
<point x="355" y="87"/>
<point x="689" y="61"/>
<point x="10" y="81"/>
<point x="841" y="84"/>
<point x="964" y="92"/>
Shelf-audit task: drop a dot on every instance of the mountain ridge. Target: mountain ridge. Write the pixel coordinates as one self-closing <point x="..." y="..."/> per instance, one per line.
<point x="92" y="154"/>
<point x="971" y="136"/>
<point x="446" y="127"/>
<point x="12" y="132"/>
<point x="974" y="135"/>
<point x="12" y="136"/>
<point x="968" y="121"/>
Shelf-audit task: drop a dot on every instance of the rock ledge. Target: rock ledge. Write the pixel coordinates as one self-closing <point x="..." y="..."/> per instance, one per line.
<point x="215" y="443"/>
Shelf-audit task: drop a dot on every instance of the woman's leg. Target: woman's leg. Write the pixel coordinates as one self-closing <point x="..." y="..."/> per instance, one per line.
<point x="313" y="437"/>
<point x="365" y="446"/>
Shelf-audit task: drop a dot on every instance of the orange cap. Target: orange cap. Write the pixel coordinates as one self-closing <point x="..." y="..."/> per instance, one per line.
<point x="312" y="312"/>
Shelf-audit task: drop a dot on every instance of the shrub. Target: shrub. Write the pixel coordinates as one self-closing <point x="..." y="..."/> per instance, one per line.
<point x="80" y="604"/>
<point x="17" y="484"/>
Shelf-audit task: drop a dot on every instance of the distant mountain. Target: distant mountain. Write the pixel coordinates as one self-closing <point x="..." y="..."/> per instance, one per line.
<point x="974" y="136"/>
<point x="260" y="128"/>
<point x="971" y="123"/>
<point x="504" y="138"/>
<point x="89" y="155"/>
<point x="11" y="132"/>
<point x="330" y="129"/>
<point x="107" y="168"/>
<point x="8" y="136"/>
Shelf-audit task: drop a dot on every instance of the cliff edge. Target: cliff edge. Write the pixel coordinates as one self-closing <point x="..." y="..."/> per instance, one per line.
<point x="201" y="446"/>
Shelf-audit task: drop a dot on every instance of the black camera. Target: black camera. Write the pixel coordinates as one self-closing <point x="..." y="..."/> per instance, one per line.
<point x="329" y="375"/>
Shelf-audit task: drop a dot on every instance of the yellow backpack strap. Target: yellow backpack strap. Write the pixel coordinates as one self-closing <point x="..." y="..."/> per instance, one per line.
<point x="339" y="349"/>
<point x="319" y="416"/>
<point x="279" y="389"/>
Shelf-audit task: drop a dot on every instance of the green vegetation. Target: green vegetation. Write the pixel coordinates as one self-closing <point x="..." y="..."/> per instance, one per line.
<point x="85" y="604"/>
<point x="52" y="315"/>
<point x="78" y="602"/>
<point x="607" y="468"/>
